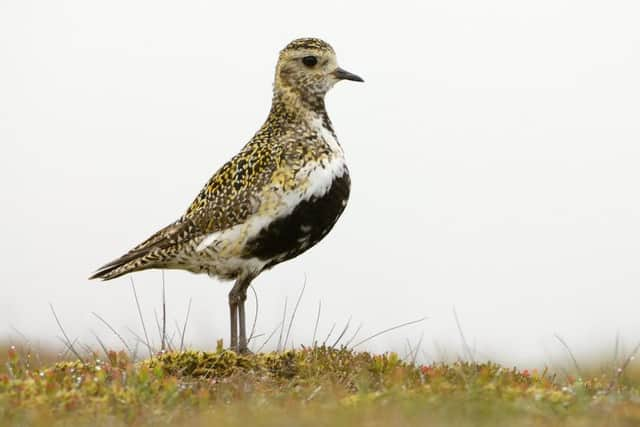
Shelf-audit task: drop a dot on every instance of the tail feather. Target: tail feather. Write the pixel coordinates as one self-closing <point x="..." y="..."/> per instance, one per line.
<point x="139" y="258"/>
<point x="149" y="254"/>
<point x="106" y="273"/>
<point x="121" y="266"/>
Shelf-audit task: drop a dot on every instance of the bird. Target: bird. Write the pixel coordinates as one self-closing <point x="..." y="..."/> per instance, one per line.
<point x="278" y="197"/>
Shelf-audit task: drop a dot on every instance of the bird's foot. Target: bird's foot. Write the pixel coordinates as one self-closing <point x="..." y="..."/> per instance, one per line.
<point x="244" y="351"/>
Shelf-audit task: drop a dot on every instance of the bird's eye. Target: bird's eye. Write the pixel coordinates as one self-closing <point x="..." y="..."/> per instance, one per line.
<point x="309" y="61"/>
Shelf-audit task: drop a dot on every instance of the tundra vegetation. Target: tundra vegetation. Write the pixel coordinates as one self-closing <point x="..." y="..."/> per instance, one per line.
<point x="308" y="386"/>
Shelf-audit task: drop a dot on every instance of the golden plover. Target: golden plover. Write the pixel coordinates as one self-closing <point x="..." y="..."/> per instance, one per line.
<point x="274" y="200"/>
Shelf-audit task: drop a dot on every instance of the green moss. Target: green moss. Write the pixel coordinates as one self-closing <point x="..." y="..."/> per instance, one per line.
<point x="313" y="386"/>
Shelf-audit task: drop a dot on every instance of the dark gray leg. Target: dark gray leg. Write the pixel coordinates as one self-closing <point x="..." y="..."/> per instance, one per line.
<point x="233" y="311"/>
<point x="242" y="344"/>
<point x="237" y="297"/>
<point x="243" y="348"/>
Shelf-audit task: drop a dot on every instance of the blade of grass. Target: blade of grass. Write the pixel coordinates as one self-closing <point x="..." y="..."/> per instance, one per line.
<point x="616" y="349"/>
<point x="144" y="328"/>
<point x="393" y="328"/>
<point x="324" y="343"/>
<point x="140" y="340"/>
<point x="353" y="337"/>
<point x="295" y="310"/>
<point x="184" y="327"/>
<point x="122" y="340"/>
<point x="566" y="347"/>
<point x="315" y="328"/>
<point x="284" y="317"/>
<point x="104" y="347"/>
<point x="69" y="348"/>
<point x="344" y="331"/>
<point x="157" y="320"/>
<point x="620" y="370"/>
<point x="415" y="354"/>
<point x="465" y="346"/>
<point x="164" y="316"/>
<point x="66" y="337"/>
<point x="269" y="337"/>
<point x="255" y="316"/>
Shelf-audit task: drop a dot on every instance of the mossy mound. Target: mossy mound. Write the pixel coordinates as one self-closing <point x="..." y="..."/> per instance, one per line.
<point x="312" y="385"/>
<point x="308" y="364"/>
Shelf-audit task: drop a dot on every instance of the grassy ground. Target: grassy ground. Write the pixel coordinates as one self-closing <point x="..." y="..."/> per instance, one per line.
<point x="307" y="387"/>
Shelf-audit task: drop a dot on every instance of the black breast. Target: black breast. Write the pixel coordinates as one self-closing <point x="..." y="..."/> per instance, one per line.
<point x="306" y="225"/>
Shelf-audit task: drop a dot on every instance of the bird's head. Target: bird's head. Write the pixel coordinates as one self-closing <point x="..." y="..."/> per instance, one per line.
<point x="307" y="68"/>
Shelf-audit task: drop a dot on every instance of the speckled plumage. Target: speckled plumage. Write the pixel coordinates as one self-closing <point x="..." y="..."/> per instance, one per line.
<point x="276" y="198"/>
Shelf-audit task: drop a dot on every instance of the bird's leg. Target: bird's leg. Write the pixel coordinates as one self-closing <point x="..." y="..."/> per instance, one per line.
<point x="233" y="312"/>
<point x="242" y="345"/>
<point x="237" y="297"/>
<point x="243" y="348"/>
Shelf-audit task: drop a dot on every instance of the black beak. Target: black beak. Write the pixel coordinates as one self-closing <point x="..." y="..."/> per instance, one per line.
<point x="341" y="74"/>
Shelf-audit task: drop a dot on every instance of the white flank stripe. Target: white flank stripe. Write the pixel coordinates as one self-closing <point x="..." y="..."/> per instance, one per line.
<point x="327" y="135"/>
<point x="208" y="239"/>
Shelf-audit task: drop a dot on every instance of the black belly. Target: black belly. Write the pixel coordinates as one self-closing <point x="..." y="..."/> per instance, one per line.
<point x="306" y="225"/>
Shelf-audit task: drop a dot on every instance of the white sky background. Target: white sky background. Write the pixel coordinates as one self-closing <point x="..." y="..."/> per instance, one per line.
<point x="494" y="152"/>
